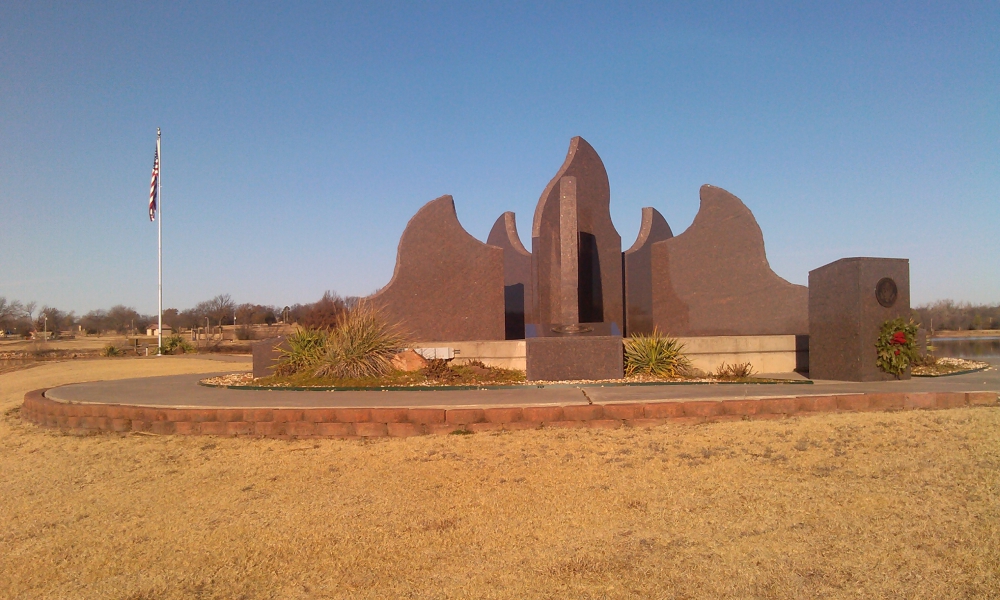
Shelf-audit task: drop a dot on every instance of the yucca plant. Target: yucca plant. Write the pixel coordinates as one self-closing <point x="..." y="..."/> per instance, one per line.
<point x="655" y="354"/>
<point x="304" y="349"/>
<point x="176" y="344"/>
<point x="111" y="351"/>
<point x="361" y="345"/>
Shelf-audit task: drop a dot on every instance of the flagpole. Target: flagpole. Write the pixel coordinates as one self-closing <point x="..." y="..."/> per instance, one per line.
<point x="159" y="248"/>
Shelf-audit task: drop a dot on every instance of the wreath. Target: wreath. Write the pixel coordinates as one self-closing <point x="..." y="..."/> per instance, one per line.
<point x="897" y="346"/>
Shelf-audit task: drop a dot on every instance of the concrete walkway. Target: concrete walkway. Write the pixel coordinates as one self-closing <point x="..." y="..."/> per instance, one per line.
<point x="183" y="391"/>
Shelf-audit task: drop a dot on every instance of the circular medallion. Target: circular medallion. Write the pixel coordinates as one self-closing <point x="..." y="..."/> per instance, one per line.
<point x="573" y="328"/>
<point x="886" y="292"/>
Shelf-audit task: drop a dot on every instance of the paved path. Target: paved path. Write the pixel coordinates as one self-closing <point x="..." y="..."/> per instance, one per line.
<point x="184" y="391"/>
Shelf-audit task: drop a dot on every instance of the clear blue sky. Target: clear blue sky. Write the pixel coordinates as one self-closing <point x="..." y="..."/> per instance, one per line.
<point x="298" y="139"/>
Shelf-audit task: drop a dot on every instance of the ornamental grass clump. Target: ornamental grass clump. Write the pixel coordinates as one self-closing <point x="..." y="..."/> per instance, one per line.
<point x="734" y="371"/>
<point x="361" y="345"/>
<point x="303" y="350"/>
<point x="656" y="355"/>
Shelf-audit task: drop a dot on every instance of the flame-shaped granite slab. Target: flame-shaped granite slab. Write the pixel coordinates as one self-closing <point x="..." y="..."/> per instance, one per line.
<point x="447" y="285"/>
<point x="575" y="248"/>
<point x="714" y="279"/>
<point x="639" y="272"/>
<point x="516" y="275"/>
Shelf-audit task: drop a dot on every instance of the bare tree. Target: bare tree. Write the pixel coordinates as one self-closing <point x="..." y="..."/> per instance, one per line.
<point x="122" y="318"/>
<point x="321" y="314"/>
<point x="10" y="313"/>
<point x="96" y="321"/>
<point x="218" y="309"/>
<point x="172" y="319"/>
<point x="256" y="314"/>
<point x="52" y="319"/>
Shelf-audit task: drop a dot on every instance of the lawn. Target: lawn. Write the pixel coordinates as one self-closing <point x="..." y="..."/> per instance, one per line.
<point x="834" y="506"/>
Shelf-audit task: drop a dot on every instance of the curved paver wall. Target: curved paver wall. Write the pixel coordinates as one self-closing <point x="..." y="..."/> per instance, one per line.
<point x="399" y="422"/>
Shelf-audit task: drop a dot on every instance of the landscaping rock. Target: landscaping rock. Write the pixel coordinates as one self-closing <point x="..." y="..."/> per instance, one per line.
<point x="408" y="361"/>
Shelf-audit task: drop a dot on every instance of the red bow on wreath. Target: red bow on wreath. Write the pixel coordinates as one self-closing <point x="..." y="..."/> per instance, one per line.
<point x="898" y="338"/>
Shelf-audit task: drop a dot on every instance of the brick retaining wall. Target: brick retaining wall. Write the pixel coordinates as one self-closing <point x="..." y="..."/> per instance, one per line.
<point x="288" y="423"/>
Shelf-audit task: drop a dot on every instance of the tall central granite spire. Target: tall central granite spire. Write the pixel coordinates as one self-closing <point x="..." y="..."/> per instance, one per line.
<point x="576" y="253"/>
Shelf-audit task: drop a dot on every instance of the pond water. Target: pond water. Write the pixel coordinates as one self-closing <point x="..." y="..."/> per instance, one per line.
<point x="986" y="347"/>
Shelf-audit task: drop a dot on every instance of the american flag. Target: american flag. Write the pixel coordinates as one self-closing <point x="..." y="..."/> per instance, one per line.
<point x="153" y="187"/>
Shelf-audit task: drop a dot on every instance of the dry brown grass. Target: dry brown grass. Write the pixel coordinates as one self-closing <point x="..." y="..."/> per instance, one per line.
<point x="848" y="505"/>
<point x="82" y="343"/>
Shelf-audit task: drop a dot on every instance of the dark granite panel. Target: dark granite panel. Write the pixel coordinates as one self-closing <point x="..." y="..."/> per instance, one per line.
<point x="513" y="311"/>
<point x="579" y="192"/>
<point x="569" y="253"/>
<point x="447" y="285"/>
<point x="801" y="353"/>
<point x="574" y="357"/>
<point x="266" y="354"/>
<point x="845" y="315"/>
<point x="714" y="279"/>
<point x="639" y="272"/>
<point x="516" y="275"/>
<point x="590" y="296"/>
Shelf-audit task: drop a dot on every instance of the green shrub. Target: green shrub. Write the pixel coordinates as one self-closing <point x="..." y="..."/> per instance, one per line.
<point x="176" y="344"/>
<point x="110" y="350"/>
<point x="656" y="355"/>
<point x="361" y="345"/>
<point x="305" y="348"/>
<point x="896" y="347"/>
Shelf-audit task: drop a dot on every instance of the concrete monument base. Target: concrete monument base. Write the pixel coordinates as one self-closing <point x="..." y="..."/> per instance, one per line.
<point x="571" y="352"/>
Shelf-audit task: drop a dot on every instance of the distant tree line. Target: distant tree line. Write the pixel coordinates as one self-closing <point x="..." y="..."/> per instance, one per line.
<point x="24" y="318"/>
<point x="118" y="319"/>
<point x="958" y="316"/>
<point x="221" y="310"/>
